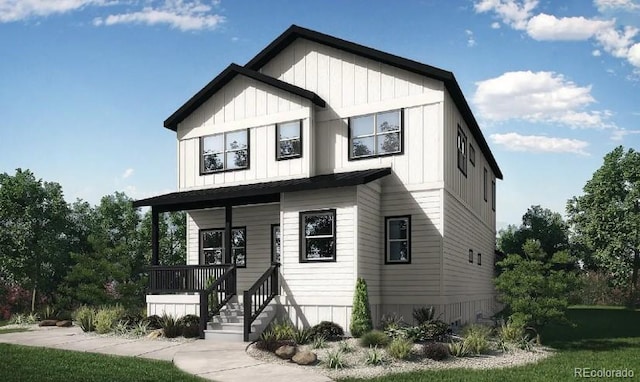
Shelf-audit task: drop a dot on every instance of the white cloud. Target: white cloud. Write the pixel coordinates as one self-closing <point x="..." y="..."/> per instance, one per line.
<point x="596" y="53"/>
<point x="549" y="27"/>
<point x="634" y="55"/>
<point x="16" y="10"/>
<point x="539" y="143"/>
<point x="607" y="5"/>
<point x="511" y="12"/>
<point x="471" y="41"/>
<point x="127" y="173"/>
<point x="538" y="97"/>
<point x="619" y="134"/>
<point x="495" y="25"/>
<point x="185" y="15"/>
<point x="615" y="42"/>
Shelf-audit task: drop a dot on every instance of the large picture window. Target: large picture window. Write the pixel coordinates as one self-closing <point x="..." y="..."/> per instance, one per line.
<point x="212" y="246"/>
<point x="318" y="236"/>
<point x="398" y="240"/>
<point x="289" y="140"/>
<point x="224" y="152"/>
<point x="462" y="151"/>
<point x="375" y="134"/>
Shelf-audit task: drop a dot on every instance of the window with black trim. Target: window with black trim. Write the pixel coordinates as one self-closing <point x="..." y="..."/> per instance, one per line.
<point x="485" y="184"/>
<point x="479" y="259"/>
<point x="224" y="152"/>
<point x="462" y="151"/>
<point x="375" y="135"/>
<point x="276" y="247"/>
<point x="471" y="255"/>
<point x="472" y="155"/>
<point x="397" y="240"/>
<point x="212" y="246"/>
<point x="493" y="195"/>
<point x="318" y="236"/>
<point x="289" y="140"/>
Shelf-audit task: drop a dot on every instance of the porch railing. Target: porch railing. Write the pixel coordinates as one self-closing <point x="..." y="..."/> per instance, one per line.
<point x="183" y="278"/>
<point x="216" y="295"/>
<point x="258" y="297"/>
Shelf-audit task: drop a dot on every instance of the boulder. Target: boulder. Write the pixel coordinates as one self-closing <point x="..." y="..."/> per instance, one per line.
<point x="47" y="323"/>
<point x="155" y="334"/>
<point x="286" y="351"/>
<point x="64" y="324"/>
<point x="305" y="358"/>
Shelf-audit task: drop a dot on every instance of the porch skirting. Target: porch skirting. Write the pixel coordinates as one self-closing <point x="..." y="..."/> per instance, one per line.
<point x="176" y="305"/>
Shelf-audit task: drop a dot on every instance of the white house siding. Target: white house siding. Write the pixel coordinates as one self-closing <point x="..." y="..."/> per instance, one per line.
<point x="176" y="305"/>
<point x="319" y="291"/>
<point x="467" y="287"/>
<point x="256" y="218"/>
<point x="245" y="103"/>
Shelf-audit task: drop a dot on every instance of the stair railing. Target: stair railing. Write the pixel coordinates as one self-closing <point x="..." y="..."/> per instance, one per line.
<point x="216" y="295"/>
<point x="259" y="295"/>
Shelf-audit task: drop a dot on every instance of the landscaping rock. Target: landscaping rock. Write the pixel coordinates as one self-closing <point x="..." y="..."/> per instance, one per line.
<point x="155" y="334"/>
<point x="64" y="324"/>
<point x="286" y="351"/>
<point x="47" y="323"/>
<point x="305" y="358"/>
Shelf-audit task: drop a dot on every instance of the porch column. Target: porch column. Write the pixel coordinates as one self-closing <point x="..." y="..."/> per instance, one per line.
<point x="227" y="234"/>
<point x="155" y="246"/>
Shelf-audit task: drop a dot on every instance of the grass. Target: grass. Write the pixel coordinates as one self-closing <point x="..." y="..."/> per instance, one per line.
<point x="601" y="337"/>
<point x="13" y="330"/>
<point x="23" y="363"/>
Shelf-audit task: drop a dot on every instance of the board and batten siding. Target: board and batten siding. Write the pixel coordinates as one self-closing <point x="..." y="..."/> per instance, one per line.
<point x="256" y="218"/>
<point x="245" y="103"/>
<point x="370" y="230"/>
<point x="318" y="291"/>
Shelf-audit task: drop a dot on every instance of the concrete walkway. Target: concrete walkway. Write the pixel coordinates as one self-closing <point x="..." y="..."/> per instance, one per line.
<point x="219" y="361"/>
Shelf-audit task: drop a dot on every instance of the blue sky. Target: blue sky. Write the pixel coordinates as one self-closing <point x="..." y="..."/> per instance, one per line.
<point x="86" y="84"/>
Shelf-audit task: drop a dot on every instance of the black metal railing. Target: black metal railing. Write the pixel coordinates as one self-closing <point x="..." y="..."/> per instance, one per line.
<point x="258" y="297"/>
<point x="183" y="278"/>
<point x="216" y="295"/>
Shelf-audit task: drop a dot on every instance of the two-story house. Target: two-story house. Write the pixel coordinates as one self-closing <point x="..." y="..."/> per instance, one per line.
<point x="318" y="162"/>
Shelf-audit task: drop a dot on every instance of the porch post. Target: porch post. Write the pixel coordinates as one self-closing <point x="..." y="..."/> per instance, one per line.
<point x="155" y="247"/>
<point x="227" y="234"/>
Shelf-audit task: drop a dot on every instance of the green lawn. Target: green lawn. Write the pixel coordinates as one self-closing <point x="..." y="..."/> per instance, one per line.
<point x="23" y="363"/>
<point x="603" y="337"/>
<point x="13" y="330"/>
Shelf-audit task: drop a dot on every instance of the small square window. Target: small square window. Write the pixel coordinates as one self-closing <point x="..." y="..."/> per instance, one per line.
<point x="398" y="240"/>
<point x="471" y="255"/>
<point x="318" y="236"/>
<point x="289" y="140"/>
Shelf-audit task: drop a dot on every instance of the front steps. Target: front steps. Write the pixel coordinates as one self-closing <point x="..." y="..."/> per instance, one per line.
<point x="229" y="324"/>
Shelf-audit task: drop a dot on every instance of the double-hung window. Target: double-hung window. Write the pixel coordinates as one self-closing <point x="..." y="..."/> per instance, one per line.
<point x="289" y="140"/>
<point x="318" y="236"/>
<point x="375" y="134"/>
<point x="462" y="151"/>
<point x="224" y="152"/>
<point x="493" y="195"/>
<point x="212" y="246"/>
<point x="398" y="240"/>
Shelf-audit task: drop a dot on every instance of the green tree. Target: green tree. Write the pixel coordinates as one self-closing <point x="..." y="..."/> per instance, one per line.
<point x="361" y="313"/>
<point x="606" y="218"/>
<point x="33" y="232"/>
<point x="172" y="227"/>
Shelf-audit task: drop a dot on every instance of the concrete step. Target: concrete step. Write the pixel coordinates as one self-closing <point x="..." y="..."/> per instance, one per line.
<point x="223" y="335"/>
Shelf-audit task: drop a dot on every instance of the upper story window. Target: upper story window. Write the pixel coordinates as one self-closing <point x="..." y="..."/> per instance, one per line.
<point x="375" y="134"/>
<point x="462" y="151"/>
<point x="224" y="152"/>
<point x="397" y="240"/>
<point x="289" y="140"/>
<point x="485" y="184"/>
<point x="493" y="195"/>
<point x="318" y="236"/>
<point x="472" y="155"/>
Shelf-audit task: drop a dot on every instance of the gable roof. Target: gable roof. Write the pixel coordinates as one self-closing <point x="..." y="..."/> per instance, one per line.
<point x="222" y="79"/>
<point x="449" y="80"/>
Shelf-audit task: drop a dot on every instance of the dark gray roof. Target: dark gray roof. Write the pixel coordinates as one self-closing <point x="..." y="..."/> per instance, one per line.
<point x="257" y="192"/>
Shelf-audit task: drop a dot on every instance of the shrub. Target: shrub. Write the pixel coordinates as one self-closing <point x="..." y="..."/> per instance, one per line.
<point x="436" y="351"/>
<point x="190" y="325"/>
<point x="374" y="338"/>
<point x="458" y="349"/>
<point x="132" y="318"/>
<point x="49" y="313"/>
<point x="170" y="326"/>
<point x="13" y="299"/>
<point x="423" y="314"/>
<point x="511" y="331"/>
<point x="153" y="322"/>
<point x="107" y="317"/>
<point x="329" y="330"/>
<point x="391" y="321"/>
<point x="345" y="347"/>
<point x="361" y="313"/>
<point x="283" y="330"/>
<point x="269" y="341"/>
<point x="374" y="357"/>
<point x="335" y="360"/>
<point x="84" y="317"/>
<point x="429" y="331"/>
<point x="140" y="329"/>
<point x="122" y="327"/>
<point x="476" y="338"/>
<point x="302" y="336"/>
<point x="400" y="348"/>
<point x="319" y="342"/>
<point x="18" y="319"/>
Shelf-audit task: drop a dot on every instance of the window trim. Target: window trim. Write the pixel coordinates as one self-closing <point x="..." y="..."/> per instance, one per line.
<point x="224" y="169"/>
<point x="273" y="247"/>
<point x="296" y="156"/>
<point x="472" y="155"/>
<point x="386" y="239"/>
<point x="201" y="248"/>
<point x="375" y="134"/>
<point x="303" y="239"/>
<point x="462" y="156"/>
<point x="485" y="184"/>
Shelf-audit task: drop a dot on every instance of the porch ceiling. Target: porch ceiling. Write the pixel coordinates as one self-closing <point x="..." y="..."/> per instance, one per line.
<point x="266" y="192"/>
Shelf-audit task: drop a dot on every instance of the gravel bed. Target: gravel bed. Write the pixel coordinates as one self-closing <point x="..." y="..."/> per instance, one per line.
<point x="356" y="368"/>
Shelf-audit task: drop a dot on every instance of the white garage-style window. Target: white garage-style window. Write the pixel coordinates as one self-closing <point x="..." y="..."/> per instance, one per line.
<point x="397" y="240"/>
<point x="375" y="135"/>
<point x="212" y="246"/>
<point x="289" y="140"/>
<point x="224" y="152"/>
<point x="318" y="236"/>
